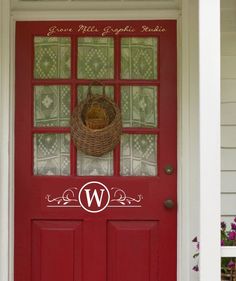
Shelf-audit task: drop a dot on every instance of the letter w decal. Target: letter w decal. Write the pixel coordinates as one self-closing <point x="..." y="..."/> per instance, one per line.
<point x="94" y="196"/>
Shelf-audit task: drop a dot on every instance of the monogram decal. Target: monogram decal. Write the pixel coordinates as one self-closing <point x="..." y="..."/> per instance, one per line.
<point x="93" y="197"/>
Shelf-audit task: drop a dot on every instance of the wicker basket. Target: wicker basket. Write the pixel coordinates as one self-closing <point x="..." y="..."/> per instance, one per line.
<point x="96" y="124"/>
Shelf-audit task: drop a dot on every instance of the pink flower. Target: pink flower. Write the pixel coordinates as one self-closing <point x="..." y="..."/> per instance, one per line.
<point x="233" y="226"/>
<point x="195" y="239"/>
<point x="196" y="268"/>
<point x="232" y="235"/>
<point x="223" y="225"/>
<point x="231" y="265"/>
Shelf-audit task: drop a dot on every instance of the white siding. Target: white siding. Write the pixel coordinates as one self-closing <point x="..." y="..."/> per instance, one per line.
<point x="228" y="109"/>
<point x="228" y="201"/>
<point x="228" y="70"/>
<point x="228" y="160"/>
<point x="228" y="113"/>
<point x="228" y="181"/>
<point x="228" y="137"/>
<point x="228" y="89"/>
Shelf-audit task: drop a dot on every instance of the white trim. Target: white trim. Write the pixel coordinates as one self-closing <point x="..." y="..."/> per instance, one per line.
<point x="188" y="151"/>
<point x="91" y="5"/>
<point x="209" y="97"/>
<point x="183" y="154"/>
<point x="11" y="152"/>
<point x="186" y="144"/>
<point x="95" y="15"/>
<point x="4" y="138"/>
<point x="229" y="251"/>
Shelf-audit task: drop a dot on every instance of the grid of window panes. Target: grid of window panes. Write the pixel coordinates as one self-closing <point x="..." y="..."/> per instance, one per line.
<point x="63" y="69"/>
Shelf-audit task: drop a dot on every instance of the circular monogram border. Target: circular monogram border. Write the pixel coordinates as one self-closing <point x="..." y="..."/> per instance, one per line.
<point x="99" y="183"/>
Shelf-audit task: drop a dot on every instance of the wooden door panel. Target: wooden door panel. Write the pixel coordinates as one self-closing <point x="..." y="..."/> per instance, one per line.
<point x="59" y="235"/>
<point x="94" y="251"/>
<point x="56" y="250"/>
<point x="132" y="250"/>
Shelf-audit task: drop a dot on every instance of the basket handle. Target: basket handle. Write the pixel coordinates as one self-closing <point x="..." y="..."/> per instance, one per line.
<point x="95" y="82"/>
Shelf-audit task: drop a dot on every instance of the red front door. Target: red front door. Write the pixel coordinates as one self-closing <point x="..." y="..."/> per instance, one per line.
<point x="85" y="218"/>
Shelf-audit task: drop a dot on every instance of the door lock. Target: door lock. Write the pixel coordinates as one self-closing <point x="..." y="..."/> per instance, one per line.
<point x="169" y="169"/>
<point x="169" y="204"/>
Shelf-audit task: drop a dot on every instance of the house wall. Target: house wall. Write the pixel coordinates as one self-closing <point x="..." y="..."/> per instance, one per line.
<point x="228" y="109"/>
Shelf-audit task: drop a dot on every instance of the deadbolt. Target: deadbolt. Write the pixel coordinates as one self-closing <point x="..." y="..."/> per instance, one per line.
<point x="169" y="204"/>
<point x="169" y="170"/>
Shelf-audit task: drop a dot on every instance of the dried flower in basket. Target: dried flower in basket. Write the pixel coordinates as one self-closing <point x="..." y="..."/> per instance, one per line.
<point x="96" y="117"/>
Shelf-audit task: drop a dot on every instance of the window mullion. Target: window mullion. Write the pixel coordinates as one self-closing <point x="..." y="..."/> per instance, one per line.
<point x="117" y="63"/>
<point x="73" y="100"/>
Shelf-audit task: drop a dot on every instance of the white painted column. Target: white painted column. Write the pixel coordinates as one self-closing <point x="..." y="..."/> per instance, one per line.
<point x="4" y="137"/>
<point x="209" y="102"/>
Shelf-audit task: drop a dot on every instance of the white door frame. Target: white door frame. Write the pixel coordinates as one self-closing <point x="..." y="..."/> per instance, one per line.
<point x="188" y="122"/>
<point x="5" y="176"/>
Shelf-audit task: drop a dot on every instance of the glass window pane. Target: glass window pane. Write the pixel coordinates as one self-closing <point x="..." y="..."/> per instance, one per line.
<point x="51" y="106"/>
<point x="94" y="166"/>
<point x="95" y="58"/>
<point x="96" y="90"/>
<point x="138" y="155"/>
<point x="91" y="165"/>
<point x="139" y="106"/>
<point x="139" y="58"/>
<point x="52" y="154"/>
<point x="52" y="58"/>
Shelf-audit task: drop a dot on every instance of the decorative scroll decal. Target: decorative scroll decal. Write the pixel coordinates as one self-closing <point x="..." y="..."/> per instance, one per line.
<point x="121" y="197"/>
<point x="94" y="197"/>
<point x="67" y="197"/>
<point x="105" y="31"/>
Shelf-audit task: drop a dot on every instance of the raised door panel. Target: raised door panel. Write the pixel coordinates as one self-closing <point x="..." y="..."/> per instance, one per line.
<point x="133" y="250"/>
<point x="56" y="250"/>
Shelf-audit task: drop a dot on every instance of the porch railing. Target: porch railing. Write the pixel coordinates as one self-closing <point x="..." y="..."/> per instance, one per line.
<point x="228" y="251"/>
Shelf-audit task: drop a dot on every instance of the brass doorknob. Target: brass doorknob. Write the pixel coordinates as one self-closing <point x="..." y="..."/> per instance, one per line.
<point x="169" y="204"/>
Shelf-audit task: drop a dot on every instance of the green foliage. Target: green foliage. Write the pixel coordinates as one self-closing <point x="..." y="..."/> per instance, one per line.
<point x="228" y="238"/>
